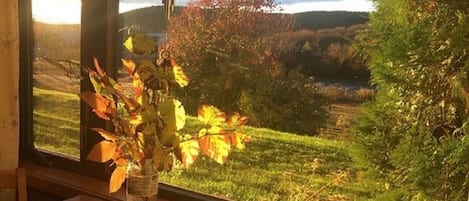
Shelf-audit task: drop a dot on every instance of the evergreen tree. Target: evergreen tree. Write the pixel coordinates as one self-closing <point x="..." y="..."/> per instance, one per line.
<point x="417" y="129"/>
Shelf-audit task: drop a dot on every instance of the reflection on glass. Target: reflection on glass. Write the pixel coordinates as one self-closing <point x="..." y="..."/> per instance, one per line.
<point x="56" y="76"/>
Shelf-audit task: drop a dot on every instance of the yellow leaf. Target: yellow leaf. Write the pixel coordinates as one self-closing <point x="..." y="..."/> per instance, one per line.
<point x="216" y="130"/>
<point x="180" y="114"/>
<point x="189" y="151"/>
<point x="102" y="151"/>
<point x="173" y="114"/>
<point x="128" y="44"/>
<point x="210" y="115"/>
<point x="179" y="76"/>
<point x="117" y="178"/>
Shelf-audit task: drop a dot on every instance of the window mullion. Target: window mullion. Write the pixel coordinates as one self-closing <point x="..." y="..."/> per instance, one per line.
<point x="97" y="41"/>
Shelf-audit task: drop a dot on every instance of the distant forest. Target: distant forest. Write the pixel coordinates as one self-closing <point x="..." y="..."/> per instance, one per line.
<point x="151" y="19"/>
<point x="319" y="43"/>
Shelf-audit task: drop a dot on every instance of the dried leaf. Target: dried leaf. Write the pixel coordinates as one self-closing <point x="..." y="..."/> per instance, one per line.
<point x="117" y="179"/>
<point x="99" y="70"/>
<point x="105" y="134"/>
<point x="102" y="151"/>
<point x="102" y="106"/>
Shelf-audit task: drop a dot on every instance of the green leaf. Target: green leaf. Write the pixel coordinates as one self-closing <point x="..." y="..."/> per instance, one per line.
<point x="140" y="44"/>
<point x="95" y="82"/>
<point x="173" y="113"/>
<point x="162" y="159"/>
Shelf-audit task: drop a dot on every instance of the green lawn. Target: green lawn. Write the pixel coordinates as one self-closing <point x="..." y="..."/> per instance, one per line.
<point x="56" y="121"/>
<point x="274" y="166"/>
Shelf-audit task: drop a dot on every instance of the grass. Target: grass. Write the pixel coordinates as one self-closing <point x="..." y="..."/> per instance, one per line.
<point x="274" y="166"/>
<point x="56" y="121"/>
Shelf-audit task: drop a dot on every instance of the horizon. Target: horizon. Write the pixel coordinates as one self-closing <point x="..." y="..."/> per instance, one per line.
<point x="69" y="11"/>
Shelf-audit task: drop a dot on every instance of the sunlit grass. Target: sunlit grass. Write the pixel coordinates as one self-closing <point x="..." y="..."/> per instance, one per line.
<point x="274" y="166"/>
<point x="56" y="121"/>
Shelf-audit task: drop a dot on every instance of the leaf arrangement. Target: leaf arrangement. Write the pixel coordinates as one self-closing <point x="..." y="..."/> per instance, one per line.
<point x="147" y="123"/>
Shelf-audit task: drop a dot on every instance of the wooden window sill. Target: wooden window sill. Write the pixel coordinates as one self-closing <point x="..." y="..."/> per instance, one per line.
<point x="67" y="184"/>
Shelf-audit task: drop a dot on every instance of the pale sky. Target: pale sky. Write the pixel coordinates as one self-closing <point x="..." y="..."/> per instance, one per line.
<point x="68" y="11"/>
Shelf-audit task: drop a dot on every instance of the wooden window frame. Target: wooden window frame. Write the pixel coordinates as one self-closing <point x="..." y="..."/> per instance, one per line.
<point x="99" y="39"/>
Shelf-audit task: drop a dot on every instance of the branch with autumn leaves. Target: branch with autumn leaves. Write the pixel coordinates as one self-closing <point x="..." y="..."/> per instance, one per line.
<point x="147" y="124"/>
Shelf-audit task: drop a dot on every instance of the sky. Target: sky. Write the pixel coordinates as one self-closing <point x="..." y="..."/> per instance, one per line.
<point x="68" y="11"/>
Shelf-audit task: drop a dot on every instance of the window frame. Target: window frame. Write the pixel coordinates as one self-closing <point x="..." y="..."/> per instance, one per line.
<point x="99" y="39"/>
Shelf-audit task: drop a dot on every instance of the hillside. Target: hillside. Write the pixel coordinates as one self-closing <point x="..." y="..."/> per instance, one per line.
<point x="151" y="19"/>
<point x="328" y="19"/>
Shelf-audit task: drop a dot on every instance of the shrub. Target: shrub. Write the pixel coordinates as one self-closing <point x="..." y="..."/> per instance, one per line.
<point x="364" y="94"/>
<point x="287" y="104"/>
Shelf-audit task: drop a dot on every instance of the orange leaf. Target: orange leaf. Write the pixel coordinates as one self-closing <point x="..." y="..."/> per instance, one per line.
<point x="237" y="120"/>
<point x="101" y="105"/>
<point x="117" y="178"/>
<point x="102" y="151"/>
<point x="210" y="115"/>
<point x="121" y="162"/>
<point x="118" y="156"/>
<point x="105" y="134"/>
<point x="100" y="71"/>
<point x="137" y="85"/>
<point x="238" y="139"/>
<point x="215" y="147"/>
<point x="129" y="65"/>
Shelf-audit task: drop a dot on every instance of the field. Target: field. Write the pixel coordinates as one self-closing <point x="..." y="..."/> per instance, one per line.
<point x="274" y="166"/>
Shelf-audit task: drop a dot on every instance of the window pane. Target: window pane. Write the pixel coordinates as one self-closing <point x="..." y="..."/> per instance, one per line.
<point x="56" y="76"/>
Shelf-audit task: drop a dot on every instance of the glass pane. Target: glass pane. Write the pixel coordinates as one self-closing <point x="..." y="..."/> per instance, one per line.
<point x="276" y="165"/>
<point x="56" y="76"/>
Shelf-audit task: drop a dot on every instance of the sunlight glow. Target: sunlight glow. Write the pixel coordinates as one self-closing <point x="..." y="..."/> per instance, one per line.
<point x="69" y="12"/>
<point x="124" y="7"/>
<point x="57" y="11"/>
